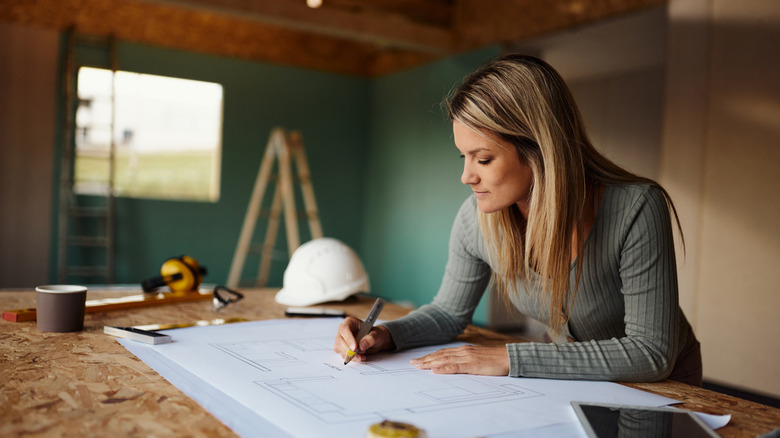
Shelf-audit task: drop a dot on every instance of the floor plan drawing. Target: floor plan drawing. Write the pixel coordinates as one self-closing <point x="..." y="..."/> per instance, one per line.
<point x="311" y="395"/>
<point x="283" y="375"/>
<point x="271" y="355"/>
<point x="314" y="393"/>
<point x="278" y="354"/>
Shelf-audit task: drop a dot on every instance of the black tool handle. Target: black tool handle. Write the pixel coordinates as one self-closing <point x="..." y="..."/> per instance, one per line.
<point x="150" y="284"/>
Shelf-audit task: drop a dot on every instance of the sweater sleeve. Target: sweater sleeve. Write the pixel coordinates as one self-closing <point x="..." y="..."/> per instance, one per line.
<point x="647" y="282"/>
<point x="465" y="278"/>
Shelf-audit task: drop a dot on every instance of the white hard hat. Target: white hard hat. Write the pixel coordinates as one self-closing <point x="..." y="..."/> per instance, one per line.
<point x="322" y="270"/>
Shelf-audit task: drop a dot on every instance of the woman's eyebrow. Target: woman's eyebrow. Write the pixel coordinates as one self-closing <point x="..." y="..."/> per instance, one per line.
<point x="476" y="150"/>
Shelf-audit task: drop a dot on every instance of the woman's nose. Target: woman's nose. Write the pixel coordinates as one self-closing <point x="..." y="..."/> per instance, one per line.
<point x="468" y="177"/>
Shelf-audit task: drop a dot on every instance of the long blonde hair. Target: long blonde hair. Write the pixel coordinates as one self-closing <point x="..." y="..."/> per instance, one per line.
<point x="523" y="100"/>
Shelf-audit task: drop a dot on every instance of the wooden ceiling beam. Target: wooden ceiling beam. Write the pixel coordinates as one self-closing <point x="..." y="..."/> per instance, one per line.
<point x="368" y="25"/>
<point x="205" y="32"/>
<point x="354" y="37"/>
<point x="430" y="12"/>
<point x="481" y="22"/>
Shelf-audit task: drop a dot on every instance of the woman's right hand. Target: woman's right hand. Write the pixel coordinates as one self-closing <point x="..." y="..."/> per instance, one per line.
<point x="378" y="339"/>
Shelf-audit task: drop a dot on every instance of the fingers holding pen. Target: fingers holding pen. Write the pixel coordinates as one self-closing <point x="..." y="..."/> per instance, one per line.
<point x="378" y="339"/>
<point x="345" y="335"/>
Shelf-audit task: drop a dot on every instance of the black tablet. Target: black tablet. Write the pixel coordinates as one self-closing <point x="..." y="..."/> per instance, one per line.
<point x="612" y="421"/>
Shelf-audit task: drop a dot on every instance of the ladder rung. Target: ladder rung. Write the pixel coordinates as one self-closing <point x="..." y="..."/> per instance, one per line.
<point x="257" y="248"/>
<point x="92" y="188"/>
<point x="308" y="215"/>
<point x="88" y="271"/>
<point x="106" y="126"/>
<point x="276" y="254"/>
<point x="93" y="153"/>
<point x="96" y="183"/>
<point x="265" y="214"/>
<point x="89" y="212"/>
<point x="88" y="241"/>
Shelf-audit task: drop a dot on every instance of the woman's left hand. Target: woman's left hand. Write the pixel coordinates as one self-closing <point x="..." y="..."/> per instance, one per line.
<point x="468" y="359"/>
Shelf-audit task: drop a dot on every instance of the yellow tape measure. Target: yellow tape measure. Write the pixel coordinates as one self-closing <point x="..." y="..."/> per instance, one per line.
<point x="394" y="429"/>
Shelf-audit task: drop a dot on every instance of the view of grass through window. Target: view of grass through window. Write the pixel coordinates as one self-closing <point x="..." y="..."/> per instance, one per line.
<point x="167" y="135"/>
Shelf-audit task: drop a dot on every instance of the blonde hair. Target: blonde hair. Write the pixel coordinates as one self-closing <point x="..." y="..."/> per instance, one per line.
<point x="523" y="100"/>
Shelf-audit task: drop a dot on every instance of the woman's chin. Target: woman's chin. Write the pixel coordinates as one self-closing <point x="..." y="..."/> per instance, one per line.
<point x="486" y="207"/>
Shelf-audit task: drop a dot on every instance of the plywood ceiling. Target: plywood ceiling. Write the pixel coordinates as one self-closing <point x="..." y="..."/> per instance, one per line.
<point x="355" y="37"/>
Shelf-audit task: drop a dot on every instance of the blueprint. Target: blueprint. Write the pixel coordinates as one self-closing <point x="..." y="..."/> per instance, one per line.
<point x="282" y="376"/>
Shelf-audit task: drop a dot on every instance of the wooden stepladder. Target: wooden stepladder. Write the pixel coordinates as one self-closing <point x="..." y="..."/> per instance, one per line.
<point x="284" y="147"/>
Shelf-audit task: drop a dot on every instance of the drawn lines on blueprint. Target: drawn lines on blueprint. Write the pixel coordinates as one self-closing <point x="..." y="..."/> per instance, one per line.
<point x="308" y="394"/>
<point x="318" y="394"/>
<point x="370" y="368"/>
<point x="271" y="355"/>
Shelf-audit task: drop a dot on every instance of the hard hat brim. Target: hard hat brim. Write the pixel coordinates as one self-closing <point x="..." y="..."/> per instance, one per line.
<point x="287" y="298"/>
<point x="290" y="297"/>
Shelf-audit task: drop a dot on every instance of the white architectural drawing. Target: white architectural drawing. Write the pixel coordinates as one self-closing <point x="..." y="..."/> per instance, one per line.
<point x="281" y="378"/>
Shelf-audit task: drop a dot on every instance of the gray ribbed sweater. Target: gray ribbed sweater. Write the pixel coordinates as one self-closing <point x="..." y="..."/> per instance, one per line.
<point x="626" y="321"/>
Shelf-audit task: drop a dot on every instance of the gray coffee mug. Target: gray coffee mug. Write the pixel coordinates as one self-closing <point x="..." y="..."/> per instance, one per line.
<point x="60" y="307"/>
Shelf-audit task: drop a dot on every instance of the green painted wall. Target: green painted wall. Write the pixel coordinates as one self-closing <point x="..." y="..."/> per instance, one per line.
<point x="413" y="185"/>
<point x="331" y="111"/>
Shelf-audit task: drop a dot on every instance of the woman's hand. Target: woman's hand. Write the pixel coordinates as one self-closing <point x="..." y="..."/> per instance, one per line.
<point x="378" y="339"/>
<point x="468" y="359"/>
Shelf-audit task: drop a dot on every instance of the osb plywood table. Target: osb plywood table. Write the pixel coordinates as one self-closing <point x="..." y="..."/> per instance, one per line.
<point x="87" y="384"/>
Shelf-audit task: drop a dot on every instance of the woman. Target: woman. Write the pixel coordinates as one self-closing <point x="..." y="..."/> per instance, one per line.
<point x="567" y="237"/>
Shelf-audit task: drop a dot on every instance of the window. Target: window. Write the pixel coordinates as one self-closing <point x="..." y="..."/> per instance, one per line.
<point x="167" y="135"/>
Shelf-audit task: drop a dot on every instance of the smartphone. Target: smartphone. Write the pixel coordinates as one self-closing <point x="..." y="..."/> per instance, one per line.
<point x="314" y="312"/>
